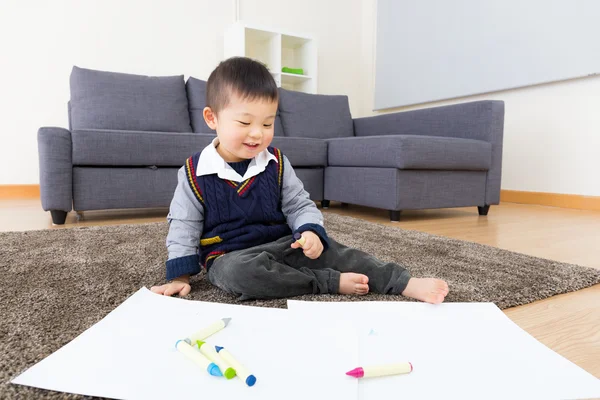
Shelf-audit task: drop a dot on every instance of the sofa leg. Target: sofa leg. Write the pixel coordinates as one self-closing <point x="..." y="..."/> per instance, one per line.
<point x="325" y="203"/>
<point x="395" y="215"/>
<point x="58" y="217"/>
<point x="483" y="210"/>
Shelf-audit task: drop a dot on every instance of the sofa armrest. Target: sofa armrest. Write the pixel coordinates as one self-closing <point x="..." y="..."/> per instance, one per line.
<point x="481" y="120"/>
<point x="56" y="168"/>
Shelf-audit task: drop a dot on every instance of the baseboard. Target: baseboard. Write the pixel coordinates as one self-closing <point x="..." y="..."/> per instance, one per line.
<point x="19" y="192"/>
<point x="551" y="199"/>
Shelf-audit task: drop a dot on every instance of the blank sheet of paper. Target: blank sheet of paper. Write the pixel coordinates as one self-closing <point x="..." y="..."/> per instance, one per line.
<point x="131" y="354"/>
<point x="458" y="350"/>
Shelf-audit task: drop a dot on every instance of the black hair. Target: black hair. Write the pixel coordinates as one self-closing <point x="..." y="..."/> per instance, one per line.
<point x="242" y="76"/>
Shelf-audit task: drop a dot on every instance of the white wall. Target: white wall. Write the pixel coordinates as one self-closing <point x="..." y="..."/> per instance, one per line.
<point x="41" y="40"/>
<point x="551" y="131"/>
<point x="336" y="25"/>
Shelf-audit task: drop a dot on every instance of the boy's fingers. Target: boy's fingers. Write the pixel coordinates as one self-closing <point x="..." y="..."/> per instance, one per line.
<point x="295" y="245"/>
<point x="185" y="291"/>
<point x="310" y="254"/>
<point x="156" y="289"/>
<point x="315" y="253"/>
<point x="170" y="290"/>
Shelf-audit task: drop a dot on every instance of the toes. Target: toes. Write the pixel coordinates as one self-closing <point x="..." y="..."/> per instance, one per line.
<point x="361" y="289"/>
<point x="440" y="298"/>
<point x="364" y="279"/>
<point x="435" y="299"/>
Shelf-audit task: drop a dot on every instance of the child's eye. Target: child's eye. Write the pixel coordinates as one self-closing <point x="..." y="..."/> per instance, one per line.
<point x="267" y="125"/>
<point x="244" y="123"/>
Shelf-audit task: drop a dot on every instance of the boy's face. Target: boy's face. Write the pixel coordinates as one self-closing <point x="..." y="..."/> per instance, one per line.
<point x="244" y="128"/>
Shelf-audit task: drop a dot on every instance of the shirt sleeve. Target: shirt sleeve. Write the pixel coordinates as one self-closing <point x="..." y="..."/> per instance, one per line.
<point x="186" y="218"/>
<point x="300" y="211"/>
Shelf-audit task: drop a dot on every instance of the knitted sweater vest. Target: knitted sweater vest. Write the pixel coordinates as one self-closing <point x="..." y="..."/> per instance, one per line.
<point x="238" y="215"/>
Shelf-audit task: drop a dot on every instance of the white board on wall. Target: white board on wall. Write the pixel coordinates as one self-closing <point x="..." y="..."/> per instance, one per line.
<point x="430" y="50"/>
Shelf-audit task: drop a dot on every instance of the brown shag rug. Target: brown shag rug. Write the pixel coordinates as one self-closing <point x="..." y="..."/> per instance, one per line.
<point x="54" y="284"/>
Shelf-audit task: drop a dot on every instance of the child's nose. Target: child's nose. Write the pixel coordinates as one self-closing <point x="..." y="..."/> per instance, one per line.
<point x="256" y="132"/>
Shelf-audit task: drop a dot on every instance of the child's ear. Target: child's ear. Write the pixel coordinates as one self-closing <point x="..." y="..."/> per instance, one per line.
<point x="210" y="117"/>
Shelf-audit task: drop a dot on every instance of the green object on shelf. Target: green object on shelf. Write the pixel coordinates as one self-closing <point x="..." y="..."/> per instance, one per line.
<point x="297" y="71"/>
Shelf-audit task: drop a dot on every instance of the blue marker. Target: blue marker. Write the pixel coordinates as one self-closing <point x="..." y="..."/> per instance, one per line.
<point x="242" y="372"/>
<point x="184" y="347"/>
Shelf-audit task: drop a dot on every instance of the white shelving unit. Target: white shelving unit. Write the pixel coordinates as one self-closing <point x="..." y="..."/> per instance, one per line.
<point x="276" y="50"/>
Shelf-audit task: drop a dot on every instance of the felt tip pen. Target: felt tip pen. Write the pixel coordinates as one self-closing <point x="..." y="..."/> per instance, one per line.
<point x="241" y="371"/>
<point x="299" y="238"/>
<point x="381" y="370"/>
<point x="186" y="349"/>
<point x="209" y="330"/>
<point x="212" y="355"/>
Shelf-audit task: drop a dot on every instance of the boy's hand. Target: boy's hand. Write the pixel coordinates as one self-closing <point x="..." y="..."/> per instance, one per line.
<point x="312" y="246"/>
<point x="179" y="286"/>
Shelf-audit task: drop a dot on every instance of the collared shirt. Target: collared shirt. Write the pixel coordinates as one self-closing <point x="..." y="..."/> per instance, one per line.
<point x="211" y="162"/>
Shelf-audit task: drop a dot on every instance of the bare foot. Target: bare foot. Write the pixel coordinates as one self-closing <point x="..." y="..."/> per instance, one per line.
<point x="426" y="289"/>
<point x="351" y="283"/>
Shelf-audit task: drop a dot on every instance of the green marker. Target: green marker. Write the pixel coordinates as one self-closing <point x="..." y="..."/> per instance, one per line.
<point x="210" y="352"/>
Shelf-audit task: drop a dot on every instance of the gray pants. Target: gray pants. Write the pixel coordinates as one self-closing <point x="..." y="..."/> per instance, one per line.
<point x="275" y="270"/>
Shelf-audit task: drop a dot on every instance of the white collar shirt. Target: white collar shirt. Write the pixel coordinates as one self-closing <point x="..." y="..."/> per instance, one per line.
<point x="211" y="162"/>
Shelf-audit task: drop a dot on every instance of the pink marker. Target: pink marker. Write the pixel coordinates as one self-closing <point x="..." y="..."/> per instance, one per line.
<point x="381" y="370"/>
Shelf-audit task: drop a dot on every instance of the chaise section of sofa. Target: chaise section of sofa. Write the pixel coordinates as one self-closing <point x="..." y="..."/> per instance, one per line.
<point x="431" y="158"/>
<point x="439" y="157"/>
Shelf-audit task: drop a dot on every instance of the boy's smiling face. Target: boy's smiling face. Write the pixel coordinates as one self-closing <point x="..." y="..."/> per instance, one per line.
<point x="244" y="127"/>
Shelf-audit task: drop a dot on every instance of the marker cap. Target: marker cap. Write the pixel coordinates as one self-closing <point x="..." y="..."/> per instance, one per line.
<point x="250" y="380"/>
<point x="214" y="370"/>
<point x="229" y="373"/>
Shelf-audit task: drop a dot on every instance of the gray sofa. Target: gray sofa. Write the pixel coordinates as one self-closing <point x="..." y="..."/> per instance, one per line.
<point x="129" y="134"/>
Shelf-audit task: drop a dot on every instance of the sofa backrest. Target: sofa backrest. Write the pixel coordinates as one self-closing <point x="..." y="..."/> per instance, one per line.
<point x="111" y="100"/>
<point x="315" y="115"/>
<point x="196" y="92"/>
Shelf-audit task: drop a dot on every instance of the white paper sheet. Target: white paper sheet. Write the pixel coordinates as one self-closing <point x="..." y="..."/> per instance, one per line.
<point x="131" y="354"/>
<point x="458" y="350"/>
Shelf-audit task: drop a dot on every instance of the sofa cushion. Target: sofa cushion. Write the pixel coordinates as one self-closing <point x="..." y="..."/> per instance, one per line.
<point x="196" y="92"/>
<point x="315" y="115"/>
<point x="410" y="152"/>
<point x="111" y="100"/>
<point x="303" y="152"/>
<point x="93" y="147"/>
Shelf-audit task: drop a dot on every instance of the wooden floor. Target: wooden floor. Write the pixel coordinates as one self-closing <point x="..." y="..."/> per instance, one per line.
<point x="569" y="324"/>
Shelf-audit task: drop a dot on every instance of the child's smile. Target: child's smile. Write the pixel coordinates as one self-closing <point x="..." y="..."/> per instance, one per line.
<point x="244" y="127"/>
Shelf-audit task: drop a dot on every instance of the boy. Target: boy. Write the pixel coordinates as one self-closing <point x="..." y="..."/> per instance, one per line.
<point x="238" y="202"/>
